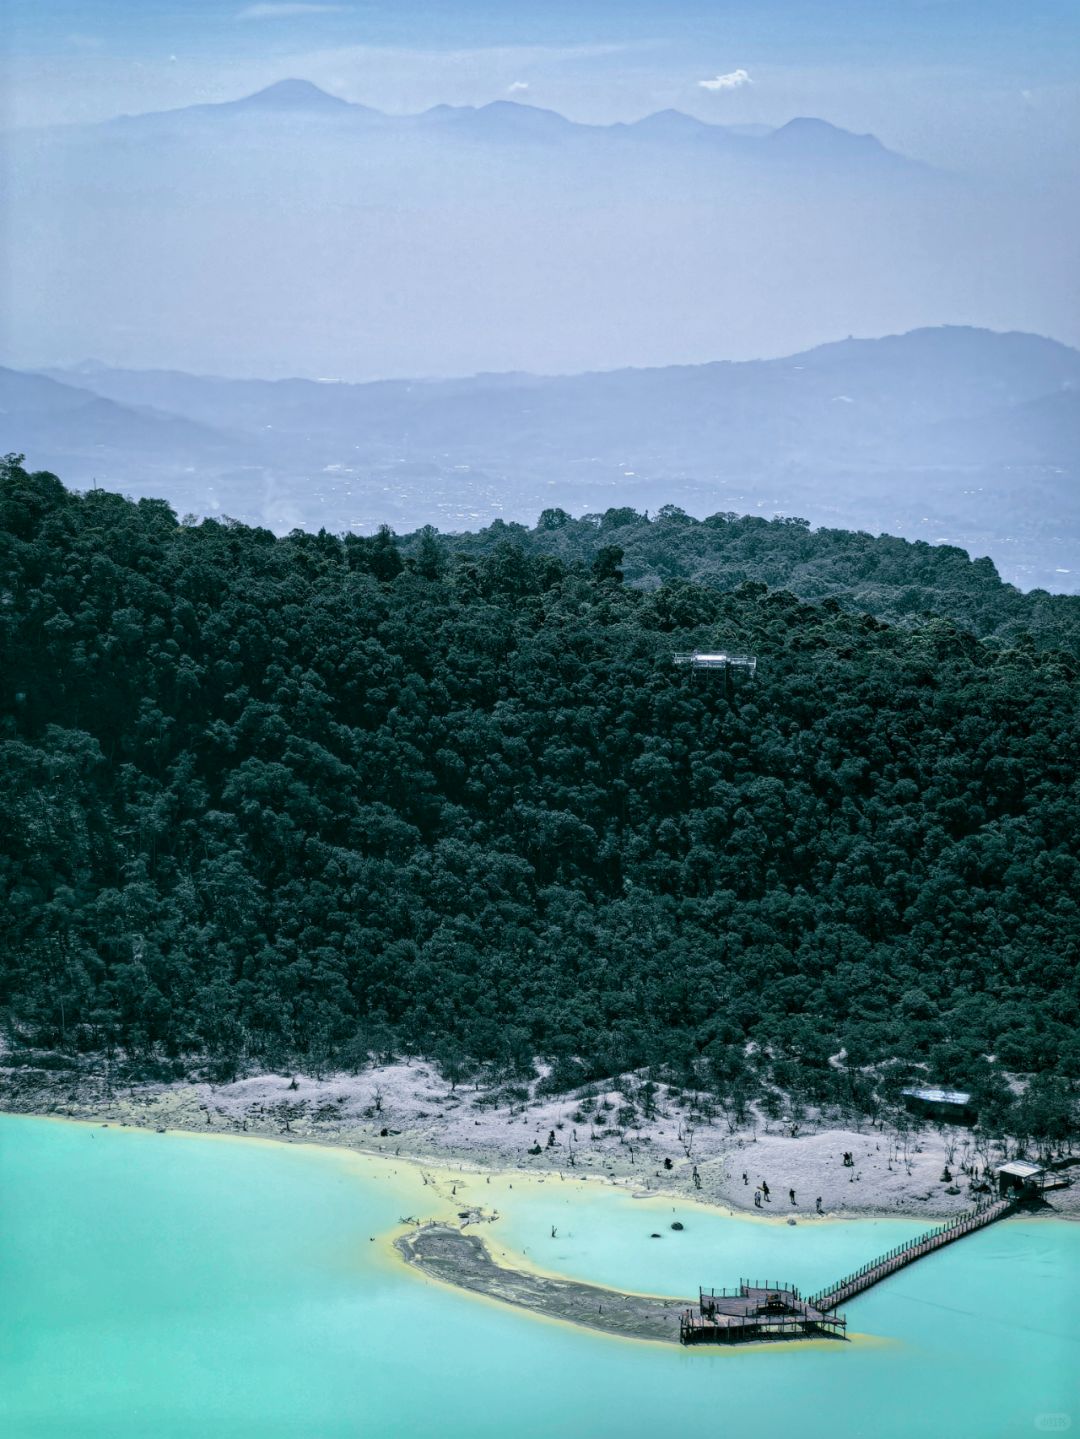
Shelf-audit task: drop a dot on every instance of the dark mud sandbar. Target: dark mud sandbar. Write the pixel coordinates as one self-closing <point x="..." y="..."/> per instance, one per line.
<point x="464" y="1260"/>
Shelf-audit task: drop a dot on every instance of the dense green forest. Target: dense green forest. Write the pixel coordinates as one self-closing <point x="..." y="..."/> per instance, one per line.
<point x="303" y="799"/>
<point x="897" y="580"/>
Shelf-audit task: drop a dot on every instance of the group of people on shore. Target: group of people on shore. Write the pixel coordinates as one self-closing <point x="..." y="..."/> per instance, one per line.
<point x="763" y="1194"/>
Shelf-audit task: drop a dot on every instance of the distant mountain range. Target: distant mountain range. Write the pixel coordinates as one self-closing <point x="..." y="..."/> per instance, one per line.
<point x="291" y="231"/>
<point x="950" y="434"/>
<point x="802" y="141"/>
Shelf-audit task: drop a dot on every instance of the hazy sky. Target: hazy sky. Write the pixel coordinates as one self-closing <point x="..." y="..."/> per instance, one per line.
<point x="984" y="85"/>
<point x="323" y="257"/>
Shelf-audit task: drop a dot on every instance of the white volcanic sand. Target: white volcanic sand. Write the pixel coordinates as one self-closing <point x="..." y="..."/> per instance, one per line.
<point x="428" y="1119"/>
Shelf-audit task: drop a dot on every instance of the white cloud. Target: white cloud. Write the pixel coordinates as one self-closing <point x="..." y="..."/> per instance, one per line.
<point x="516" y="87"/>
<point x="731" y="81"/>
<point x="285" y="9"/>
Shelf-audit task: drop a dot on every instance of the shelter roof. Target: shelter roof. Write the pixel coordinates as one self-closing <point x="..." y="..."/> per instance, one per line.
<point x="1020" y="1169"/>
<point x="939" y="1096"/>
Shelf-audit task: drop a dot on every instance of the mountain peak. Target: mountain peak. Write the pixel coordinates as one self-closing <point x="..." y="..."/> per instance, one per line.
<point x="672" y="123"/>
<point x="806" y="131"/>
<point x="500" y="118"/>
<point x="292" y="94"/>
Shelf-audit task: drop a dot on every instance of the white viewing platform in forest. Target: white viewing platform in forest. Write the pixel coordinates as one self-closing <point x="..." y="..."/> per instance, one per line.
<point x="718" y="659"/>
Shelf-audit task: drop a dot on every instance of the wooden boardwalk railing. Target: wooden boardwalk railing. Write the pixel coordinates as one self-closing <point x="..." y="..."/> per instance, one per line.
<point x="772" y="1310"/>
<point x="905" y="1254"/>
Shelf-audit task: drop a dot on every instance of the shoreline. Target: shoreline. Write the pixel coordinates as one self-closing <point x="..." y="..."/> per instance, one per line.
<point x="439" y="1249"/>
<point x="408" y="1112"/>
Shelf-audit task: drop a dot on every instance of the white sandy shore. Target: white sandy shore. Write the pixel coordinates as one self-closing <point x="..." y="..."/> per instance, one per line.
<point x="428" y="1120"/>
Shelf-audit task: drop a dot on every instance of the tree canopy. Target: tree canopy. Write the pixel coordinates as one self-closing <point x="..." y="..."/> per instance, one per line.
<point x="901" y="581"/>
<point x="315" y="796"/>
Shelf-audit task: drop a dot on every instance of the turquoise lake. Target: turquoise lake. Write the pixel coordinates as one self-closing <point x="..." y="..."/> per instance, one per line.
<point x="173" y="1286"/>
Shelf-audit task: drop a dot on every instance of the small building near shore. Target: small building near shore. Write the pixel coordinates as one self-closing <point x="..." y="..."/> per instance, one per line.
<point x="952" y="1106"/>
<point x="1020" y="1176"/>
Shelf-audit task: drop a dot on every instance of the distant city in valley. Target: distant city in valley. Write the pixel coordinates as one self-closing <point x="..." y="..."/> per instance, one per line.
<point x="950" y="435"/>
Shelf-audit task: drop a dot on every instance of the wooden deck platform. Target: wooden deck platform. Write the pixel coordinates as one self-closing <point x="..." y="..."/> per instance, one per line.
<point x="757" y="1310"/>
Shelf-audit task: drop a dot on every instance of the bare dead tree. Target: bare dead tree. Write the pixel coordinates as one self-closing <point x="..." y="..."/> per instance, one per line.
<point x="686" y="1134"/>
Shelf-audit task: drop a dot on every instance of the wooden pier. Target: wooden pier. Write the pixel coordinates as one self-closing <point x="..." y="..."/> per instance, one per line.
<point x="772" y="1310"/>
<point x="905" y="1254"/>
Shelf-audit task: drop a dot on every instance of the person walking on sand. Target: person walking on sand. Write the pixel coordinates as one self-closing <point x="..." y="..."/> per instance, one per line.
<point x="792" y="1193"/>
<point x="765" y="1190"/>
<point x="744" y="1178"/>
<point x="817" y="1203"/>
<point x="757" y="1198"/>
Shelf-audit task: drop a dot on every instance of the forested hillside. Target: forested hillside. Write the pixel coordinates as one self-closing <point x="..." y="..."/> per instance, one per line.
<point x="896" y="580"/>
<point x="300" y="799"/>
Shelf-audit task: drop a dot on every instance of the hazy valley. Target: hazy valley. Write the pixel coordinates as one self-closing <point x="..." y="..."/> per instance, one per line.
<point x="956" y="435"/>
